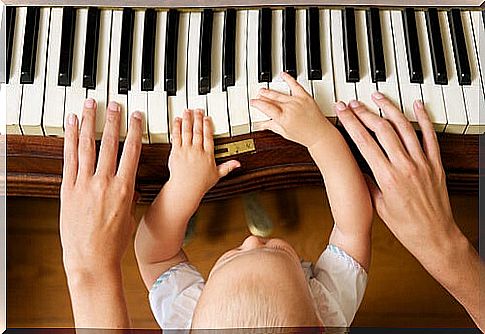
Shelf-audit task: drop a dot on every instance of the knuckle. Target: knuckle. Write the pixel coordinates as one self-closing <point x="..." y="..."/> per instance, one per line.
<point x="382" y="125"/>
<point x="86" y="143"/>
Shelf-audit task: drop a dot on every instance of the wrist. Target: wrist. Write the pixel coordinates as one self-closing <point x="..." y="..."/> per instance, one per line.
<point x="325" y="136"/>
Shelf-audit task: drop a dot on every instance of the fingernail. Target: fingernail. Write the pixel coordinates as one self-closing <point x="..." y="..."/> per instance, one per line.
<point x="419" y="104"/>
<point x="89" y="103"/>
<point x="354" y="104"/>
<point x="71" y="119"/>
<point x="114" y="106"/>
<point x="378" y="96"/>
<point x="137" y="115"/>
<point x="341" y="106"/>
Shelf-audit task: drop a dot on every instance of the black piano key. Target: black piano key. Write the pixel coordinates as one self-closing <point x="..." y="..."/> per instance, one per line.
<point x="313" y="44"/>
<point x="438" y="61"/>
<point x="483" y="18"/>
<point x="459" y="47"/>
<point x="148" y="56"/>
<point x="67" y="46"/>
<point x="171" y="42"/>
<point x="412" y="46"/>
<point x="264" y="45"/>
<point x="351" y="53"/>
<point x="376" y="48"/>
<point x="126" y="47"/>
<point x="205" y="48"/>
<point x="29" y="52"/>
<point x="289" y="43"/>
<point x="91" y="48"/>
<point x="10" y="19"/>
<point x="229" y="49"/>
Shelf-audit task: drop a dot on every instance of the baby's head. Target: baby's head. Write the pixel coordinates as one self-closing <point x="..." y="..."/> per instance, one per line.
<point x="259" y="284"/>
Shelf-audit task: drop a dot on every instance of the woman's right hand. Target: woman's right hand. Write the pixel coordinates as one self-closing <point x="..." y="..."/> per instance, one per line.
<point x="410" y="195"/>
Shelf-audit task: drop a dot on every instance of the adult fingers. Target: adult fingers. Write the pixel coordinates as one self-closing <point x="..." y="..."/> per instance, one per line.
<point x="131" y="150"/>
<point x="187" y="124"/>
<point x="268" y="108"/>
<point x="109" y="142"/>
<point x="295" y="87"/>
<point x="69" y="173"/>
<point x="227" y="167"/>
<point x="274" y="95"/>
<point x="365" y="143"/>
<point x="177" y="132"/>
<point x="385" y="133"/>
<point x="430" y="141"/>
<point x="208" y="137"/>
<point x="198" y="129"/>
<point x="87" y="143"/>
<point x="401" y="125"/>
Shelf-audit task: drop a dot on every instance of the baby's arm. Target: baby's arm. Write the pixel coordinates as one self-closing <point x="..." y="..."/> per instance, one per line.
<point x="193" y="171"/>
<point x="299" y="119"/>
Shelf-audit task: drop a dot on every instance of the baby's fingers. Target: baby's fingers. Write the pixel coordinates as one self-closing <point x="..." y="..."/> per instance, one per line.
<point x="295" y="87"/>
<point x="227" y="167"/>
<point x="268" y="108"/>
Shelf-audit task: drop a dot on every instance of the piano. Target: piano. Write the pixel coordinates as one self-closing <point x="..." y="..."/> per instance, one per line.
<point x="162" y="60"/>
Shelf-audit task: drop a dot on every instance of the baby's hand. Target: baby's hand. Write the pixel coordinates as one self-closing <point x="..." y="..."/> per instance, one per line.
<point x="295" y="117"/>
<point x="193" y="169"/>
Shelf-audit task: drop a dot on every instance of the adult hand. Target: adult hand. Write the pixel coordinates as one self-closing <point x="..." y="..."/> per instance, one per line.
<point x="96" y="218"/>
<point x="410" y="193"/>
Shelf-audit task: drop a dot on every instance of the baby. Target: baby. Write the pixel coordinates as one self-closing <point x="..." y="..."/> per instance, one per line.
<point x="262" y="282"/>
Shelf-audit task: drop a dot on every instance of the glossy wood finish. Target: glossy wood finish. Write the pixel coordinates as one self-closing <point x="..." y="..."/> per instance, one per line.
<point x="34" y="166"/>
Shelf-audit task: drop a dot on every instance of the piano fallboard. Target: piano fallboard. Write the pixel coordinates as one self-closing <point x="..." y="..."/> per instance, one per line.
<point x="34" y="166"/>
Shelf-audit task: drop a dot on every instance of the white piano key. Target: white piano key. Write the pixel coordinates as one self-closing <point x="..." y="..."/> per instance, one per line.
<point x="114" y="63"/>
<point x="217" y="99"/>
<point x="76" y="93"/>
<point x="138" y="99"/>
<point x="157" y="99"/>
<point x="474" y="94"/>
<point x="432" y="93"/>
<point x="33" y="94"/>
<point x="53" y="118"/>
<point x="277" y="83"/>
<point x="301" y="50"/>
<point x="13" y="90"/>
<point x="237" y="95"/>
<point x="3" y="106"/>
<point x="252" y="62"/>
<point x="410" y="92"/>
<point x="479" y="34"/>
<point x="178" y="103"/>
<point x="100" y="94"/>
<point x="365" y="87"/>
<point x="344" y="91"/>
<point x="390" y="87"/>
<point x="194" y="99"/>
<point x="453" y="92"/>
<point x="324" y="90"/>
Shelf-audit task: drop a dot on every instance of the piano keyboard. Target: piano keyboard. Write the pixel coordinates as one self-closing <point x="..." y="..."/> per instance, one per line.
<point x="160" y="62"/>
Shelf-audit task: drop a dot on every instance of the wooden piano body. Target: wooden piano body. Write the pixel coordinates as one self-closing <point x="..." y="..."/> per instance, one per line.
<point x="34" y="163"/>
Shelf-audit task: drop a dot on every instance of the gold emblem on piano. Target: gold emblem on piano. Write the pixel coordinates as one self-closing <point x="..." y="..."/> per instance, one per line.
<point x="237" y="147"/>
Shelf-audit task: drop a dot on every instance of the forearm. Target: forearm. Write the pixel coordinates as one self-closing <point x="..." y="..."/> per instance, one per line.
<point x="455" y="264"/>
<point x="162" y="229"/>
<point x="98" y="299"/>
<point x="346" y="188"/>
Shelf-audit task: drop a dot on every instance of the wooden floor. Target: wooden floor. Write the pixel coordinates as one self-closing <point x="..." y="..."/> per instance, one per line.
<point x="399" y="294"/>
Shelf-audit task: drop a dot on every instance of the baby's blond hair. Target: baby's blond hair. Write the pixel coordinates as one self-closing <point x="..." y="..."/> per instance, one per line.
<point x="250" y="303"/>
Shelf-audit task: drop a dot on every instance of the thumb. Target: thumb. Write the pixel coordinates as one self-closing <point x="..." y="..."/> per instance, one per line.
<point x="227" y="167"/>
<point x="374" y="191"/>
